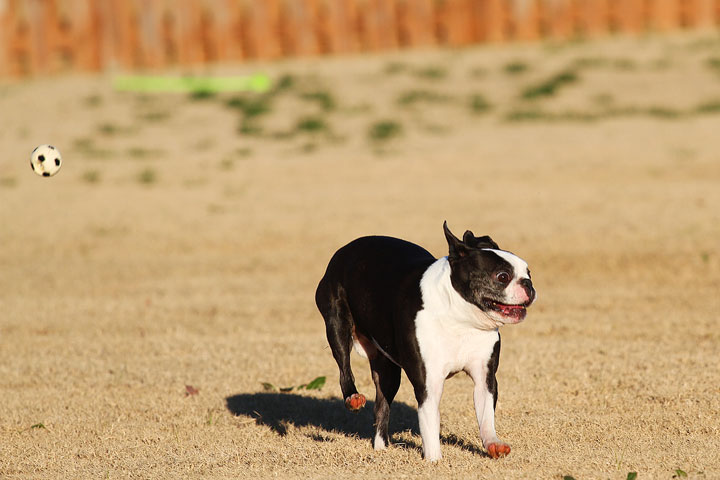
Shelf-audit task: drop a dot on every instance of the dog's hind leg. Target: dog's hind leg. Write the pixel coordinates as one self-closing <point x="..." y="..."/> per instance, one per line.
<point x="339" y="330"/>
<point x="386" y="376"/>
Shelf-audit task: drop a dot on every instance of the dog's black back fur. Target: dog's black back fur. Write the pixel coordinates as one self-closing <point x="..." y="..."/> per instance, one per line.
<point x="395" y="273"/>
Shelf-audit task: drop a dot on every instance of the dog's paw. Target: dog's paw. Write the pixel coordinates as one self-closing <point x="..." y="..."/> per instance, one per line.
<point x="355" y="402"/>
<point x="497" y="450"/>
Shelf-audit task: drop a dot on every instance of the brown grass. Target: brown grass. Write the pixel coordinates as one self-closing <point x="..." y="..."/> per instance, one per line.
<point x="115" y="296"/>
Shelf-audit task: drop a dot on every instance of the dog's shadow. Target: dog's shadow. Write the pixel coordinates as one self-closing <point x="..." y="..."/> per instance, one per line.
<point x="279" y="410"/>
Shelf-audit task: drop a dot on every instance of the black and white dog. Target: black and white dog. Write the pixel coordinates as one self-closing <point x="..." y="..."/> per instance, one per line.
<point x="404" y="309"/>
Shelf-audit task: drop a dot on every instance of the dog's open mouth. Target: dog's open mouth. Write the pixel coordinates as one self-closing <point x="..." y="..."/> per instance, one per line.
<point x="514" y="312"/>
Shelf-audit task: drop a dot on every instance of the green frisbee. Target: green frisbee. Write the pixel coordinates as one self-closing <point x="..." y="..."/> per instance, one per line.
<point x="167" y="84"/>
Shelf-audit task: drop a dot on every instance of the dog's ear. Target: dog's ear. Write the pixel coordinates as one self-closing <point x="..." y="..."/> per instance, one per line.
<point x="456" y="247"/>
<point x="479" y="242"/>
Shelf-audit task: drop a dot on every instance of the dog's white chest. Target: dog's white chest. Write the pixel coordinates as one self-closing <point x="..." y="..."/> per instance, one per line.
<point x="452" y="334"/>
<point x="446" y="349"/>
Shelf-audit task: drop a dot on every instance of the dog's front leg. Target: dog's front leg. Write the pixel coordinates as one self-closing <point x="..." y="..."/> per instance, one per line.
<point x="485" y="412"/>
<point x="429" y="419"/>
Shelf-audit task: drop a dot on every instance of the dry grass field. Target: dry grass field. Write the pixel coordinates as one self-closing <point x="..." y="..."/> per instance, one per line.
<point x="150" y="288"/>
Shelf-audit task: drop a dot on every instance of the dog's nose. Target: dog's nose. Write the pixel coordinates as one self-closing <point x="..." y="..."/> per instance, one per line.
<point x="527" y="285"/>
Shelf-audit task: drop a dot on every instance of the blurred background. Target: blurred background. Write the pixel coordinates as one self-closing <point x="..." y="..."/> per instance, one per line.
<point x="42" y="36"/>
<point x="216" y="153"/>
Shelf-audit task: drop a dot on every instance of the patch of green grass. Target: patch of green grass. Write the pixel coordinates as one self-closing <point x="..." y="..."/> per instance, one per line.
<point x="550" y="86"/>
<point x="479" y="104"/>
<point x="86" y="147"/>
<point x="526" y="114"/>
<point x="108" y="129"/>
<point x="603" y="99"/>
<point x="680" y="474"/>
<point x="706" y="43"/>
<point x="91" y="176"/>
<point x="393" y="68"/>
<point x="251" y="106"/>
<point x="412" y="97"/>
<point x="84" y="143"/>
<point x="663" y="112"/>
<point x="8" y="182"/>
<point x="590" y="62"/>
<point x="516" y="67"/>
<point x="227" y="163"/>
<point x="285" y="83"/>
<point x="204" y="144"/>
<point x="384" y="130"/>
<point x="431" y="73"/>
<point x="250" y="128"/>
<point x="478" y="72"/>
<point x="436" y="129"/>
<point x="311" y="124"/>
<point x="308" y="147"/>
<point x="625" y="64"/>
<point x="663" y="63"/>
<point x="209" y="417"/>
<point x="154" y="116"/>
<point x="536" y="114"/>
<point x="713" y="63"/>
<point x="145" y="99"/>
<point x="710" y="106"/>
<point x="140" y="152"/>
<point x="323" y="98"/>
<point x="199" y="95"/>
<point x="315" y="384"/>
<point x="93" y="100"/>
<point x="243" y="151"/>
<point x="147" y="176"/>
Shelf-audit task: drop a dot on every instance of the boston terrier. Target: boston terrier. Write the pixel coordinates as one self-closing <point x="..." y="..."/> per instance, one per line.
<point x="402" y="308"/>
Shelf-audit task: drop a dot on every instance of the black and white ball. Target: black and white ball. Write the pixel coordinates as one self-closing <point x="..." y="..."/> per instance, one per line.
<point x="46" y="160"/>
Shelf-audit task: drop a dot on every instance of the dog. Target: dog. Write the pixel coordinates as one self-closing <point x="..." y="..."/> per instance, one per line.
<point x="403" y="309"/>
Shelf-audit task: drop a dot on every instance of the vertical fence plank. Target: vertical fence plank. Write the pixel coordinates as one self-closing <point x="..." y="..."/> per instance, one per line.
<point x="337" y="26"/>
<point x="455" y="22"/>
<point x="261" y="27"/>
<point x="90" y="39"/>
<point x="299" y="27"/>
<point x="124" y="32"/>
<point x="493" y="21"/>
<point x="415" y="23"/>
<point x="664" y="15"/>
<point x="39" y="36"/>
<point x="211" y="27"/>
<point x="377" y="25"/>
<point x="629" y="16"/>
<point x="232" y="34"/>
<point x="697" y="13"/>
<point x="526" y="15"/>
<point x="560" y="19"/>
<point x="594" y="17"/>
<point x="4" y="29"/>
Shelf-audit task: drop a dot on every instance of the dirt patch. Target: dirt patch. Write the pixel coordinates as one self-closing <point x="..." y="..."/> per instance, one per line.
<point x="184" y="236"/>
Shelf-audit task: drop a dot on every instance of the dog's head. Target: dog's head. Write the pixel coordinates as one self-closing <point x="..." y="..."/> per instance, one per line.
<point x="495" y="281"/>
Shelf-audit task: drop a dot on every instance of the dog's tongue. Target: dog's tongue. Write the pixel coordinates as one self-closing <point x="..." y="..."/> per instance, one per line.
<point x="515" y="311"/>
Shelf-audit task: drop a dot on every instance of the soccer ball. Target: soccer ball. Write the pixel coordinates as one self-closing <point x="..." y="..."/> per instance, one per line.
<point x="46" y="160"/>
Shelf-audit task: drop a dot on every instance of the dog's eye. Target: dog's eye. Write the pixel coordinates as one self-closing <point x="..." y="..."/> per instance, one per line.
<point x="503" y="277"/>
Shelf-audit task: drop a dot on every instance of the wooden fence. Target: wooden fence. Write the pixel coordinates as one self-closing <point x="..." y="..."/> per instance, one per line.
<point x="47" y="36"/>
